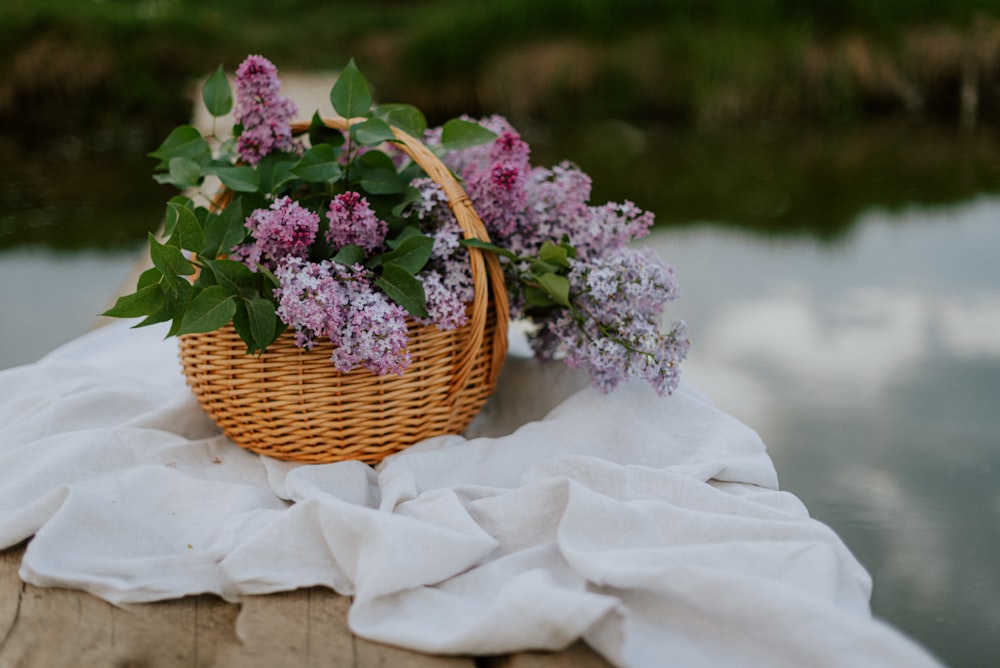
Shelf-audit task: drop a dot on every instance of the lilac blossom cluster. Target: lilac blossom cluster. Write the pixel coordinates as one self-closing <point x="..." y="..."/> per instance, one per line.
<point x="286" y="229"/>
<point x="612" y="327"/>
<point x="448" y="277"/>
<point x="264" y="115"/>
<point x="352" y="221"/>
<point x="335" y="301"/>
<point x="522" y="206"/>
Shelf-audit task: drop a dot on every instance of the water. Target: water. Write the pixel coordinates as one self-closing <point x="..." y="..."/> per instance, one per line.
<point x="865" y="350"/>
<point x="871" y="368"/>
<point x="49" y="298"/>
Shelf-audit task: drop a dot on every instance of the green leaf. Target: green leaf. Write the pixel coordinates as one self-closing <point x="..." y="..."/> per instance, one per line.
<point x="274" y="171"/>
<point x="176" y="297"/>
<point x="493" y="248"/>
<point x="458" y="134"/>
<point x="170" y="261"/>
<point x="264" y="271"/>
<point x="406" y="117"/>
<point x="377" y="175"/>
<point x="210" y="309"/>
<point x="231" y="275"/>
<point x="217" y="95"/>
<point x="554" y="255"/>
<point x="224" y="230"/>
<point x="263" y="322"/>
<point x="184" y="142"/>
<point x="144" y="301"/>
<point x="410" y="196"/>
<point x="350" y="254"/>
<point x="404" y="289"/>
<point x="372" y="132"/>
<point x="321" y="133"/>
<point x="403" y="235"/>
<point x="411" y="254"/>
<point x="537" y="298"/>
<point x="376" y="160"/>
<point x="351" y="96"/>
<point x="241" y="323"/>
<point x="318" y="165"/>
<point x="148" y="277"/>
<point x="557" y="287"/>
<point x="382" y="182"/>
<point x="242" y="179"/>
<point x="182" y="172"/>
<point x="538" y="268"/>
<point x="282" y="176"/>
<point x="185" y="229"/>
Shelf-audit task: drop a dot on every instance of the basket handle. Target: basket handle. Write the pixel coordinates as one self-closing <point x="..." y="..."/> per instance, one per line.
<point x="487" y="275"/>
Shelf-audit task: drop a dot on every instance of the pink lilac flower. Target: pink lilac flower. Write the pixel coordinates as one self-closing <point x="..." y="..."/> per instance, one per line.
<point x="262" y="113"/>
<point x="352" y="221"/>
<point x="523" y="206"/>
<point x="497" y="185"/>
<point x="286" y="229"/>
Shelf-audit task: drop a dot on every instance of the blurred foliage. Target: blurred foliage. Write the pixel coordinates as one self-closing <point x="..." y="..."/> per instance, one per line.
<point x="773" y="180"/>
<point x="751" y="111"/>
<point x="700" y="60"/>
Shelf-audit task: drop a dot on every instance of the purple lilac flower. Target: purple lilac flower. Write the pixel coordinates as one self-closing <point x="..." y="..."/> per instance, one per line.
<point x="352" y="221"/>
<point x="557" y="206"/>
<point x="337" y="302"/>
<point x="263" y="114"/>
<point x="286" y="229"/>
<point x="311" y="298"/>
<point x="613" y="327"/>
<point x="524" y="206"/>
<point x="446" y="309"/>
<point x="615" y="224"/>
<point x="449" y="261"/>
<point x="373" y="335"/>
<point x="626" y="281"/>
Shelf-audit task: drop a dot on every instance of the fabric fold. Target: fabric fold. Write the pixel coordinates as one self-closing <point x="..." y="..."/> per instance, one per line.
<point x="651" y="527"/>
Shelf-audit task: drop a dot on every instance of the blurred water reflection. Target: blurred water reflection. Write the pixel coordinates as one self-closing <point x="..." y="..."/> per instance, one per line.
<point x="49" y="298"/>
<point x="872" y="370"/>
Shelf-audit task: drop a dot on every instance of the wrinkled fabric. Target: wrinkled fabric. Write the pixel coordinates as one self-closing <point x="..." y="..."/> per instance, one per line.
<point x="651" y="527"/>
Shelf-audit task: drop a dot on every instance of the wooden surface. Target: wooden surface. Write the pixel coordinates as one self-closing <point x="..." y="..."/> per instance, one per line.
<point x="52" y="627"/>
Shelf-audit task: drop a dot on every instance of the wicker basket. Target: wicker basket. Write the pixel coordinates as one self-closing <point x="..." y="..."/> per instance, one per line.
<point x="292" y="404"/>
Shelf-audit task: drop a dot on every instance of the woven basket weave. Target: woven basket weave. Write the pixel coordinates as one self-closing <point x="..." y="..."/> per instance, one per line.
<point x="292" y="404"/>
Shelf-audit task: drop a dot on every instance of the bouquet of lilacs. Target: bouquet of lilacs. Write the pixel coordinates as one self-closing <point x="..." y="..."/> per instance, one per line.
<point x="339" y="236"/>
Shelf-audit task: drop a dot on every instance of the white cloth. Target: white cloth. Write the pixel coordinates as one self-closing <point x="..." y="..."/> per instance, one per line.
<point x="651" y="527"/>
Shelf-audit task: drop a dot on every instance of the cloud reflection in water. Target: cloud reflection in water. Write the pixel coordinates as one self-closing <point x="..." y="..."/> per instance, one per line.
<point x="872" y="370"/>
